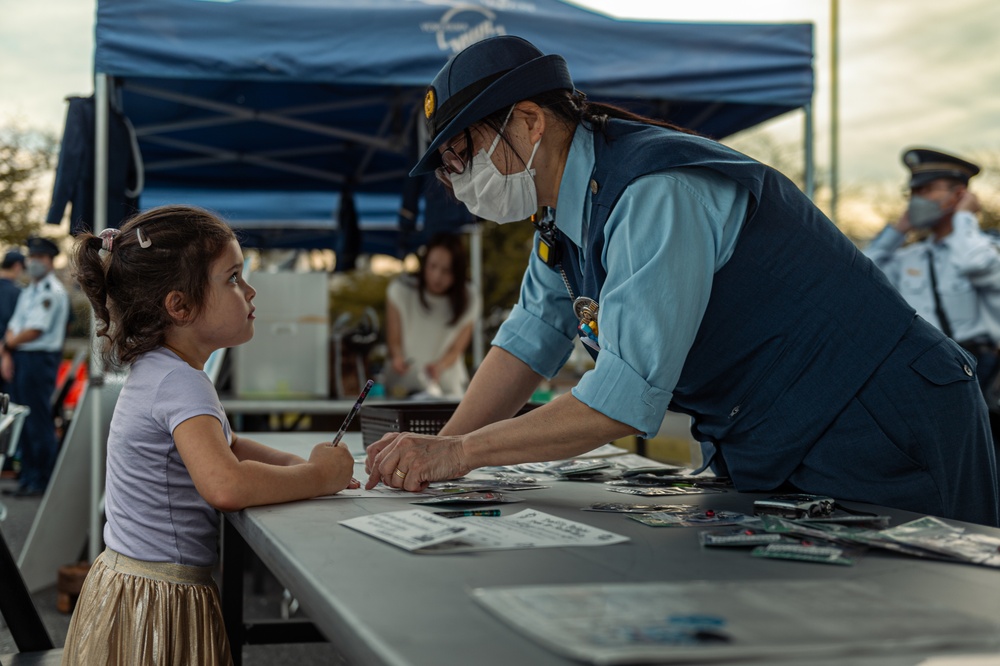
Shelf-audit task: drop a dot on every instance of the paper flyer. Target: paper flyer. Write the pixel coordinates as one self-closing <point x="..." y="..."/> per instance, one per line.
<point x="420" y="531"/>
<point x="725" y="621"/>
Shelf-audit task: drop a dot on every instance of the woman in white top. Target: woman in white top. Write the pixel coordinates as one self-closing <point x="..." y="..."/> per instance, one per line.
<point x="429" y="321"/>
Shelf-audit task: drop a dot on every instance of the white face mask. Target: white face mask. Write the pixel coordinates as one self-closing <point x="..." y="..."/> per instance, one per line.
<point x="35" y="269"/>
<point x="491" y="195"/>
<point x="924" y="213"/>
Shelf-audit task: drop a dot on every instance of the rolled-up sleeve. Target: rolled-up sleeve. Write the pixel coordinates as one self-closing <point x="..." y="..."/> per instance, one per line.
<point x="664" y="241"/>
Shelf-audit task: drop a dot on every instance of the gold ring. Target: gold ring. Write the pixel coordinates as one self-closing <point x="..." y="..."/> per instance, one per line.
<point x="400" y="474"/>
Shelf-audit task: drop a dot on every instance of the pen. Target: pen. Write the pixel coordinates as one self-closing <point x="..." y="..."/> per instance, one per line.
<point x="476" y="512"/>
<point x="350" y="414"/>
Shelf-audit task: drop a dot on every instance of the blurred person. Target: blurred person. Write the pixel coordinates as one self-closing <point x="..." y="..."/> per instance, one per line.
<point x="429" y="320"/>
<point x="11" y="270"/>
<point x="168" y="290"/>
<point x="29" y="361"/>
<point x="702" y="282"/>
<point x="951" y="277"/>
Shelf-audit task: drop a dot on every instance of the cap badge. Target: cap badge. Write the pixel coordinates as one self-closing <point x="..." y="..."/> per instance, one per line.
<point x="430" y="103"/>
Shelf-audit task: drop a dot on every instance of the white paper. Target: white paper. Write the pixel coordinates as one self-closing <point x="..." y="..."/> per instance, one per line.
<point x="654" y="622"/>
<point x="381" y="492"/>
<point x="604" y="451"/>
<point x="635" y="461"/>
<point x="422" y="531"/>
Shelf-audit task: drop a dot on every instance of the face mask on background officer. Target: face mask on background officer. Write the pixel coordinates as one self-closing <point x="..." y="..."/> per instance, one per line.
<point x="36" y="268"/>
<point x="932" y="202"/>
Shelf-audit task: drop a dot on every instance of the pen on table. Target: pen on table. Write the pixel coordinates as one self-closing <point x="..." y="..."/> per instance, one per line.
<point x="475" y="512"/>
<point x="350" y="414"/>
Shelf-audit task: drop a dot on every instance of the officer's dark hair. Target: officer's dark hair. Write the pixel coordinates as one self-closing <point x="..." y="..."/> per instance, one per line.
<point x="457" y="294"/>
<point x="570" y="109"/>
<point x="128" y="286"/>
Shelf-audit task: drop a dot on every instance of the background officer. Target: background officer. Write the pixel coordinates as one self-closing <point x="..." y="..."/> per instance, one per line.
<point x="32" y="351"/>
<point x="952" y="276"/>
<point x="10" y="272"/>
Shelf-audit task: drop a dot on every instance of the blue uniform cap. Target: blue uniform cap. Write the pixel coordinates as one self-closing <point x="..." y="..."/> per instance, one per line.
<point x="39" y="245"/>
<point x="926" y="165"/>
<point x="483" y="78"/>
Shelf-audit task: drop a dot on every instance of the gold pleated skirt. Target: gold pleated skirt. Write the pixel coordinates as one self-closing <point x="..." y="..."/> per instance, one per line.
<point x="134" y="613"/>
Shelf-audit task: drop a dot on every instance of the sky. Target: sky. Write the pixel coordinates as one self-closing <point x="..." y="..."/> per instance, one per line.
<point x="911" y="72"/>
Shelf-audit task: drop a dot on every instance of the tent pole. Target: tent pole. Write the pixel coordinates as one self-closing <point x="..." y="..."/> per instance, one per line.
<point x="102" y="99"/>
<point x="834" y="106"/>
<point x="810" y="156"/>
<point x="476" y="250"/>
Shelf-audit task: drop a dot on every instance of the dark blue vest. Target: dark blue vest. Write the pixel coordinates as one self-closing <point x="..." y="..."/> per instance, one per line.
<point x="798" y="319"/>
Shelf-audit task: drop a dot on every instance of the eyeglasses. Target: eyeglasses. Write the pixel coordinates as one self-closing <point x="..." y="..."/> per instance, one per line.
<point x="452" y="162"/>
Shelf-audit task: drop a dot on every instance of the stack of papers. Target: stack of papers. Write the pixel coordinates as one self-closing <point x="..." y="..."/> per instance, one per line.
<point x="925" y="537"/>
<point x="420" y="531"/>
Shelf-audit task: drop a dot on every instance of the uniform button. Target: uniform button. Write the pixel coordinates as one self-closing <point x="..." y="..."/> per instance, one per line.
<point x="967" y="369"/>
<point x="593" y="186"/>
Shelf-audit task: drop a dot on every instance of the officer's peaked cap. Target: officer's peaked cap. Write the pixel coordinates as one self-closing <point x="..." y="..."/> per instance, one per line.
<point x="483" y="78"/>
<point x="39" y="245"/>
<point x="926" y="165"/>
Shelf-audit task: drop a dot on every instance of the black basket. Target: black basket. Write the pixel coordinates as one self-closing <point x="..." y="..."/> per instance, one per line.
<point x="425" y="418"/>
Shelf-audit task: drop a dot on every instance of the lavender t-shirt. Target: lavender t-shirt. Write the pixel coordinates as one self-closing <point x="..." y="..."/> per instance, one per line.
<point x="153" y="510"/>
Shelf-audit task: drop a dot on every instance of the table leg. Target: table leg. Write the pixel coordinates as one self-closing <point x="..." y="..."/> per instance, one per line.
<point x="233" y="555"/>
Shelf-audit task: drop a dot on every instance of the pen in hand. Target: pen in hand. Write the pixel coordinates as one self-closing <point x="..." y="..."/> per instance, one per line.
<point x="350" y="414"/>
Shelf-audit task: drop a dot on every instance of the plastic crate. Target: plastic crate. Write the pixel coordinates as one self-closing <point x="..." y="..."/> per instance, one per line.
<point x="425" y="418"/>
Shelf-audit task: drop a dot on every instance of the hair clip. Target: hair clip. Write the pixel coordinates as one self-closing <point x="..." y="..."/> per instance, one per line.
<point x="108" y="239"/>
<point x="144" y="242"/>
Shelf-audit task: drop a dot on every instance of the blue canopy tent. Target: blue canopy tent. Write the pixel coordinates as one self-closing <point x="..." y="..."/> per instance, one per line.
<point x="292" y="103"/>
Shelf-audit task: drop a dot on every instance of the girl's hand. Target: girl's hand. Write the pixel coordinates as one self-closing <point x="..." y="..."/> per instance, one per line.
<point x="336" y="466"/>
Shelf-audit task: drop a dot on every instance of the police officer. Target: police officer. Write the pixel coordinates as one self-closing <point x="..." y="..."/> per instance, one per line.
<point x="705" y="283"/>
<point x="10" y="272"/>
<point x="952" y="276"/>
<point x="31" y="353"/>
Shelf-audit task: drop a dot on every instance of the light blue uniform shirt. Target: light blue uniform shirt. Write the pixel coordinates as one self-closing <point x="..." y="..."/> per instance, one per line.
<point x="42" y="306"/>
<point x="666" y="238"/>
<point x="966" y="268"/>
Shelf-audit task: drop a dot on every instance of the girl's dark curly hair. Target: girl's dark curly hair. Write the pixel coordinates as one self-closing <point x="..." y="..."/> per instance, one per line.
<point x="128" y="286"/>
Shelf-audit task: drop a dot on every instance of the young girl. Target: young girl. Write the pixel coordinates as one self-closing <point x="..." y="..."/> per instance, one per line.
<point x="429" y="319"/>
<point x="167" y="291"/>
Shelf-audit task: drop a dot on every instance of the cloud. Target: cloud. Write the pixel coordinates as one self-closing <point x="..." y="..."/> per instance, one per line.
<point x="913" y="72"/>
<point x="46" y="53"/>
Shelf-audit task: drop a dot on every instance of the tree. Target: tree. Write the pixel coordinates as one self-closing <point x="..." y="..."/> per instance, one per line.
<point x="506" y="250"/>
<point x="26" y="157"/>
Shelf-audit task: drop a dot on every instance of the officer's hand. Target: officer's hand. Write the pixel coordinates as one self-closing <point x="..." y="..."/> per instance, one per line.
<point x="903" y="225"/>
<point x="409" y="461"/>
<point x="7" y="366"/>
<point x="969" y="202"/>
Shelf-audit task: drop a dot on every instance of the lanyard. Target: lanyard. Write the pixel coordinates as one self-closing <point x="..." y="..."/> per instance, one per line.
<point x="550" y="252"/>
